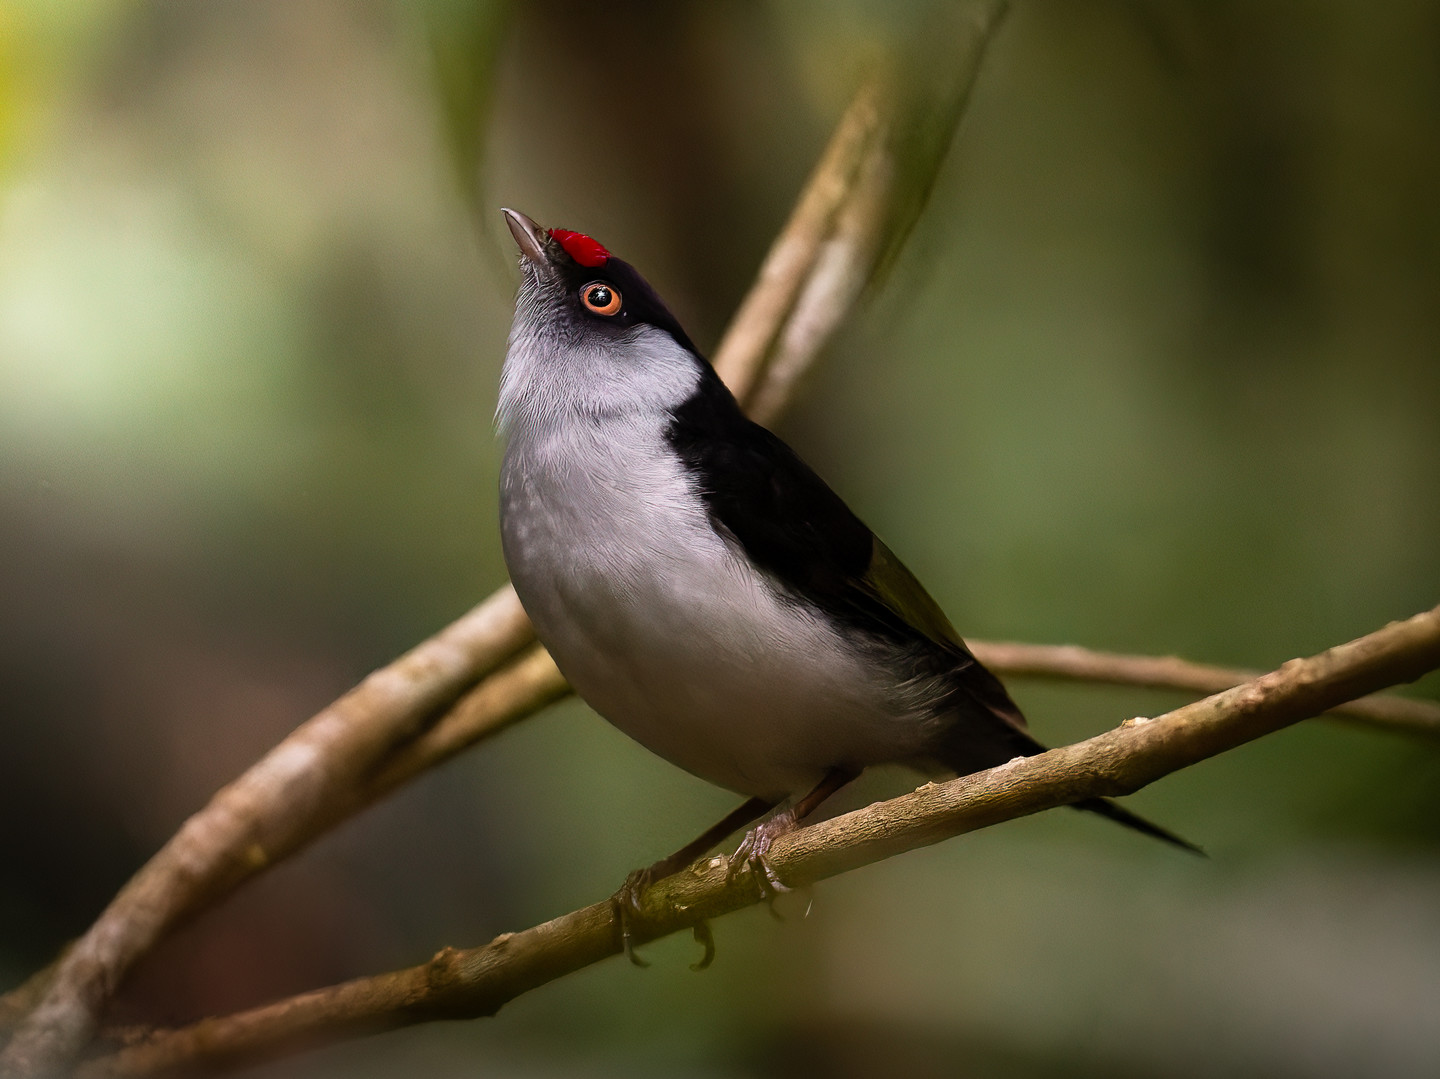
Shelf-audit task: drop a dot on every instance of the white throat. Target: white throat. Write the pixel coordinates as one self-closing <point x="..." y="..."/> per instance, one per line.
<point x="553" y="379"/>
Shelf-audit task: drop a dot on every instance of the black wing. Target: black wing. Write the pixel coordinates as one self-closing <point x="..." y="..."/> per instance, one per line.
<point x="794" y="527"/>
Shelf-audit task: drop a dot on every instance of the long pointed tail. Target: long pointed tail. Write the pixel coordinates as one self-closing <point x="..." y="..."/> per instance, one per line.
<point x="991" y="730"/>
<point x="994" y="736"/>
<point x="1106" y="808"/>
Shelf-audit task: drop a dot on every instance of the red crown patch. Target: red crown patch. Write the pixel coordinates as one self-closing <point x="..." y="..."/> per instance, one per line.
<point x="581" y="248"/>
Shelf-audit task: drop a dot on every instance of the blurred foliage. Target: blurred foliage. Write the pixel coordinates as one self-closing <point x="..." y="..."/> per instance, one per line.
<point x="466" y="38"/>
<point x="1156" y="371"/>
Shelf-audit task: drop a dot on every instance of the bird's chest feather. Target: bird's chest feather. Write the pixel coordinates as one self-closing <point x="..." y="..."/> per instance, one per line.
<point x="660" y="624"/>
<point x="601" y="521"/>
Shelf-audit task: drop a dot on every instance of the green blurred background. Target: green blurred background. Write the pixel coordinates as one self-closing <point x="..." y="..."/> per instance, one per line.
<point x="1157" y="372"/>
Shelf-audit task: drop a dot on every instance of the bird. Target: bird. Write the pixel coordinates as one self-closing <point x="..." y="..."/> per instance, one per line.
<point x="701" y="587"/>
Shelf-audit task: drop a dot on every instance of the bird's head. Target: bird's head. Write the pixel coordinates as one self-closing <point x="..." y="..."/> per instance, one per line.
<point x="590" y="334"/>
<point x="578" y="289"/>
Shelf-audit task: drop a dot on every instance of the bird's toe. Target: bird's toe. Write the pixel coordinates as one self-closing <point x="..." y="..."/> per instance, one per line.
<point x="626" y="905"/>
<point x="753" y="854"/>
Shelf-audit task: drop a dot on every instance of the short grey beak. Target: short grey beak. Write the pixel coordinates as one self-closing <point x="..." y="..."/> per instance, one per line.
<point x="530" y="236"/>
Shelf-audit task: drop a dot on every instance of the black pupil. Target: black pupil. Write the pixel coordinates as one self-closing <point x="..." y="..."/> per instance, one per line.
<point x="600" y="296"/>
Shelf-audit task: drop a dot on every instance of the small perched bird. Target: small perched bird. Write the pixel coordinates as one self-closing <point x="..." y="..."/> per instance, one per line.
<point x="699" y="586"/>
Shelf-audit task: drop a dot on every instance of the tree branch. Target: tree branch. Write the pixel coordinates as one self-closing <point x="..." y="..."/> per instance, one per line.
<point x="477" y="982"/>
<point x="267" y="810"/>
<point x="17" y="1004"/>
<point x="1071" y="663"/>
<point x="742" y="355"/>
<point x="410" y="714"/>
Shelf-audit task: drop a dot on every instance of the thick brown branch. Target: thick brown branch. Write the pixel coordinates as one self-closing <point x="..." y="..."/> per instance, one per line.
<point x="477" y="982"/>
<point x="17" y="1004"/>
<point x="241" y="830"/>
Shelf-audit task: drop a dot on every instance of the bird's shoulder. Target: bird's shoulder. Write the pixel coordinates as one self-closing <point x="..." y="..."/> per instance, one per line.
<point x="792" y="525"/>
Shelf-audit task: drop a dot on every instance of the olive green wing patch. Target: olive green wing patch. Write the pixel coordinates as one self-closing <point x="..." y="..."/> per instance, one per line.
<point x="892" y="584"/>
<point x="889" y="582"/>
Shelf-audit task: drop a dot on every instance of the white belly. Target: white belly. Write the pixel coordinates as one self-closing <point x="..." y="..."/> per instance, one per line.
<point x="659" y="624"/>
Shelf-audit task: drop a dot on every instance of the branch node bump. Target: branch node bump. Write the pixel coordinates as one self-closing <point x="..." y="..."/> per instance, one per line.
<point x="443" y="967"/>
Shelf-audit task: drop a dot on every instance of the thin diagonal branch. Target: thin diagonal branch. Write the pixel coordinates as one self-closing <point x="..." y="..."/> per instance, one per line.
<point x="478" y="982"/>
<point x="376" y="736"/>
<point x="532" y="681"/>
<point x="1071" y="663"/>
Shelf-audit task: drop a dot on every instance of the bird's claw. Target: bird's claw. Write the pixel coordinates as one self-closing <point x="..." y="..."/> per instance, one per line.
<point x="753" y="853"/>
<point x="706" y="940"/>
<point x="626" y="905"/>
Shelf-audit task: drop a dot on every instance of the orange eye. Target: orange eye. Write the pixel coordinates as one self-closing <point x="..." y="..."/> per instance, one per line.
<point x="600" y="298"/>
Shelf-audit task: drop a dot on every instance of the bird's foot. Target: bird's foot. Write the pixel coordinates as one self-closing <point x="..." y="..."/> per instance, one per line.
<point x="626" y="905"/>
<point x="753" y="853"/>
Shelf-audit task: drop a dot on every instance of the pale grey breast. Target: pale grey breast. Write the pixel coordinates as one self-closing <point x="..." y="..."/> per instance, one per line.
<point x="666" y="631"/>
<point x="656" y="620"/>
